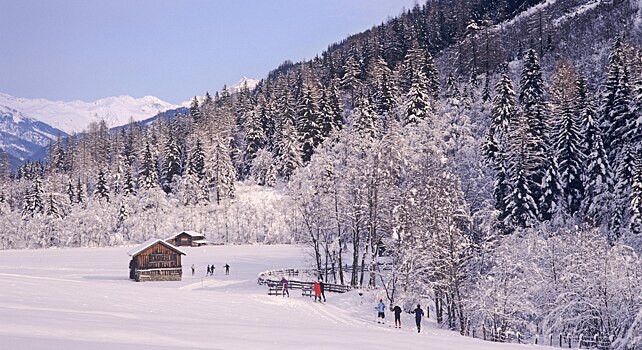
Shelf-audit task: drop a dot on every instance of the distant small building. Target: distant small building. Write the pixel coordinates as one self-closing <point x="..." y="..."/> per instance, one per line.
<point x="155" y="260"/>
<point x="187" y="239"/>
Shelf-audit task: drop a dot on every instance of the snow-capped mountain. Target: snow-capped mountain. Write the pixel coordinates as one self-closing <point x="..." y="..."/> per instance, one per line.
<point x="21" y="136"/>
<point x="251" y="84"/>
<point x="75" y="116"/>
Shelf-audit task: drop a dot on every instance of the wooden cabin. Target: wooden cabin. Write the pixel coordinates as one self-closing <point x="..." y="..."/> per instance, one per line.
<point x="187" y="239"/>
<point x="155" y="260"/>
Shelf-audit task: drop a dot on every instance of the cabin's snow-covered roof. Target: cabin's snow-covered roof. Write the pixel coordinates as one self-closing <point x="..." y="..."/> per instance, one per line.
<point x="150" y="242"/>
<point x="191" y="233"/>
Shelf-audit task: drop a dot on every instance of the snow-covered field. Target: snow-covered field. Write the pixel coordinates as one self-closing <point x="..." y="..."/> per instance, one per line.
<point x="82" y="299"/>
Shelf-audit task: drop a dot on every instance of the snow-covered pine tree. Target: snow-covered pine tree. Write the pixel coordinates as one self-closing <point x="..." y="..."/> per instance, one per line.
<point x="254" y="140"/>
<point x="331" y="118"/>
<point x="33" y="201"/>
<point x="552" y="200"/>
<point x="288" y="156"/>
<point x="57" y="160"/>
<point x="417" y="105"/>
<point x="385" y="90"/>
<point x="486" y="91"/>
<point x="504" y="110"/>
<point x="53" y="208"/>
<point x="81" y="193"/>
<point x="197" y="187"/>
<point x="364" y="116"/>
<point x="625" y="172"/>
<point x="220" y="169"/>
<point x="71" y="194"/>
<point x="101" y="190"/>
<point x="351" y="79"/>
<point x="531" y="96"/>
<point x="617" y="120"/>
<point x="195" y="111"/>
<point x="308" y="120"/>
<point x="147" y="176"/>
<point x="596" y="174"/>
<point x="521" y="205"/>
<point x="432" y="76"/>
<point x="123" y="214"/>
<point x="129" y="187"/>
<point x="173" y="164"/>
<point x="452" y="88"/>
<point x="566" y="135"/>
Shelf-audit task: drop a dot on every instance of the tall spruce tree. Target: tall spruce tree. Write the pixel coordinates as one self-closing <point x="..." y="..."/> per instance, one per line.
<point x="289" y="155"/>
<point x="531" y="96"/>
<point x="309" y="120"/>
<point x="521" y="205"/>
<point x="173" y="163"/>
<point x="101" y="190"/>
<point x="148" y="176"/>
<point x="566" y="135"/>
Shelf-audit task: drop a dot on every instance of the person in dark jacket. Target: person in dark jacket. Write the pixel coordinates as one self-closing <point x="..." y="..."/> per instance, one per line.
<point x="322" y="288"/>
<point x="284" y="285"/>
<point x="227" y="269"/>
<point x="397" y="311"/>
<point x="418" y="314"/>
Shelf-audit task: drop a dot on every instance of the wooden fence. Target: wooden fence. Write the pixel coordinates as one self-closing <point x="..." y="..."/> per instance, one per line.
<point x="565" y="340"/>
<point x="272" y="279"/>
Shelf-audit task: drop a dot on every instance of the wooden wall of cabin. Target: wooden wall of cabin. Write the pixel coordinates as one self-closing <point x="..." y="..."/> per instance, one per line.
<point x="158" y="256"/>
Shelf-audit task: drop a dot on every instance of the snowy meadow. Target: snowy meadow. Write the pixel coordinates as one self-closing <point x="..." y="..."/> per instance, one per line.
<point x="81" y="298"/>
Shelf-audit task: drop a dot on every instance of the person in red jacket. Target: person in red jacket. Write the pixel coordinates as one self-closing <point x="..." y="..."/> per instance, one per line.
<point x="317" y="291"/>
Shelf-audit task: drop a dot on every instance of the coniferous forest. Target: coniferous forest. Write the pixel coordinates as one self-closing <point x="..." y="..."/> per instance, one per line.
<point x="492" y="148"/>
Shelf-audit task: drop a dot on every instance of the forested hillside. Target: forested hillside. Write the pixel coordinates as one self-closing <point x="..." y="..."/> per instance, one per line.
<point x="492" y="147"/>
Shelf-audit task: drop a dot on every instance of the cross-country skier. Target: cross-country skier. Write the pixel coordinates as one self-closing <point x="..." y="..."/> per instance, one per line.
<point x="381" y="308"/>
<point x="397" y="311"/>
<point x="209" y="270"/>
<point x="193" y="269"/>
<point x="317" y="291"/>
<point x="284" y="285"/>
<point x="227" y="269"/>
<point x="418" y="314"/>
<point x="322" y="288"/>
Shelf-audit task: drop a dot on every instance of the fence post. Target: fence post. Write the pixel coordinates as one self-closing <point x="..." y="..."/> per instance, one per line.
<point x="550" y="336"/>
<point x="484" y="330"/>
<point x="468" y="328"/>
<point x="568" y="336"/>
<point x="519" y="338"/>
<point x="560" y="340"/>
<point x="536" y="338"/>
<point x="473" y="332"/>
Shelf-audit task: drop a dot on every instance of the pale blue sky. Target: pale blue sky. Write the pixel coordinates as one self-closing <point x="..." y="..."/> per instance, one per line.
<point x="89" y="49"/>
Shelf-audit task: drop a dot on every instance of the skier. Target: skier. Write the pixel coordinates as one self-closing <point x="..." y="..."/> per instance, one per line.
<point x="209" y="270"/>
<point x="381" y="308"/>
<point x="322" y="288"/>
<point x="284" y="284"/>
<point x="397" y="311"/>
<point x="227" y="269"/>
<point x="317" y="291"/>
<point x="213" y="269"/>
<point x="418" y="314"/>
<point x="192" y="269"/>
